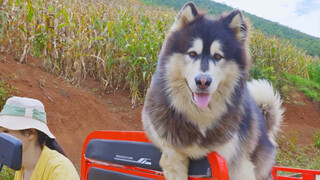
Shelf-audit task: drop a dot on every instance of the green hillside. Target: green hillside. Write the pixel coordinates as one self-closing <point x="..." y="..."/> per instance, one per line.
<point x="306" y="42"/>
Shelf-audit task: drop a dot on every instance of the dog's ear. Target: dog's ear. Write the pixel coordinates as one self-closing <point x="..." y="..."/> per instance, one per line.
<point x="186" y="15"/>
<point x="240" y="27"/>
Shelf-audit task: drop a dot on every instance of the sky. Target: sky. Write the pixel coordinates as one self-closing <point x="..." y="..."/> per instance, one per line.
<point x="302" y="15"/>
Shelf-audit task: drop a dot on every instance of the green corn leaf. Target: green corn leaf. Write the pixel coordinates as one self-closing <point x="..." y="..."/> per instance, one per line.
<point x="30" y="11"/>
<point x="62" y="25"/>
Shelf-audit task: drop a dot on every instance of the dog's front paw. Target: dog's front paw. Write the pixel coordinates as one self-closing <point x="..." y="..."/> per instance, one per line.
<point x="174" y="165"/>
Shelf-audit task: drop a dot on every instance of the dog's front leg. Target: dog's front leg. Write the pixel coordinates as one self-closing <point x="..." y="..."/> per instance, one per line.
<point x="174" y="164"/>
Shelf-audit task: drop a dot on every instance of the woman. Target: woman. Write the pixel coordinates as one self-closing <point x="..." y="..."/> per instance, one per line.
<point x="42" y="157"/>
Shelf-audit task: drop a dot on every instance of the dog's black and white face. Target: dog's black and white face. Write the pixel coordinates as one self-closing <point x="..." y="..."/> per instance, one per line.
<point x="203" y="71"/>
<point x="201" y="55"/>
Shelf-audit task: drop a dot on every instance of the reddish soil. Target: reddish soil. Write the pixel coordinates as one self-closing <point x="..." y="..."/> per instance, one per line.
<point x="301" y="119"/>
<point x="73" y="112"/>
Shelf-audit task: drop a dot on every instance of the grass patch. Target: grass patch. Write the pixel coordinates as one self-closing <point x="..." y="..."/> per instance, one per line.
<point x="308" y="87"/>
<point x="289" y="154"/>
<point x="6" y="174"/>
<point x="306" y="157"/>
<point x="5" y="92"/>
<point x="316" y="138"/>
<point x="314" y="71"/>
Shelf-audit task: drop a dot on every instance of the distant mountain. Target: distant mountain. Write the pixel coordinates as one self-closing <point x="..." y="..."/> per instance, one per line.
<point x="309" y="43"/>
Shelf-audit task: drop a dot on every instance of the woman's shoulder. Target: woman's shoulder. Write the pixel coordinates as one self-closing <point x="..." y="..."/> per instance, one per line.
<point x="54" y="156"/>
<point x="60" y="165"/>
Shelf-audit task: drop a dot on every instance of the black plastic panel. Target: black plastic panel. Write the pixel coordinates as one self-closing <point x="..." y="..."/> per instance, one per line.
<point x="10" y="151"/>
<point x="139" y="154"/>
<point x="102" y="174"/>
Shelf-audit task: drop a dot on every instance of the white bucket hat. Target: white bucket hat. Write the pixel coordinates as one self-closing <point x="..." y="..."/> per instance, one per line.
<point x="21" y="113"/>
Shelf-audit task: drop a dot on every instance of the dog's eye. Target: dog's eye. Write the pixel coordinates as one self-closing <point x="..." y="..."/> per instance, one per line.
<point x="192" y="53"/>
<point x="217" y="56"/>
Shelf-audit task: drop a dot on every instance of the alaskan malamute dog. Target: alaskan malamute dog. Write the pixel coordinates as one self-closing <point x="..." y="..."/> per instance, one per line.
<point x="199" y="100"/>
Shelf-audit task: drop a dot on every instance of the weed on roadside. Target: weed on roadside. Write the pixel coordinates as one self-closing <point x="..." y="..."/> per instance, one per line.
<point x="316" y="138"/>
<point x="290" y="154"/>
<point x="6" y="173"/>
<point x="5" y="92"/>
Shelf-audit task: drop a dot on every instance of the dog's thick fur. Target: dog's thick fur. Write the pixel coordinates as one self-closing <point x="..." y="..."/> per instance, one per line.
<point x="199" y="100"/>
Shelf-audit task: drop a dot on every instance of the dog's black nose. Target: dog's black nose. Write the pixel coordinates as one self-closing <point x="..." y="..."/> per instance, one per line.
<point x="203" y="81"/>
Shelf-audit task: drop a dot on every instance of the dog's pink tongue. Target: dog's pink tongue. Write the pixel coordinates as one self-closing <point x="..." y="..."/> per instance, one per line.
<point x="202" y="99"/>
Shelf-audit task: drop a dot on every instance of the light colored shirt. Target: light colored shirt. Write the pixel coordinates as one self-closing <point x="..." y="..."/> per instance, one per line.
<point x="51" y="166"/>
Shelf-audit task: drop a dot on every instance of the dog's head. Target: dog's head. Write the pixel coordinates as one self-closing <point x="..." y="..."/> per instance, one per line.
<point x="201" y="53"/>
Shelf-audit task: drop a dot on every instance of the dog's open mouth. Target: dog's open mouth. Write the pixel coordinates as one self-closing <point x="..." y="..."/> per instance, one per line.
<point x="201" y="99"/>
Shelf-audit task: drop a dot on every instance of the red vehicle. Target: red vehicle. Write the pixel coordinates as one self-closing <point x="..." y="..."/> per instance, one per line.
<point x="130" y="155"/>
<point x="123" y="155"/>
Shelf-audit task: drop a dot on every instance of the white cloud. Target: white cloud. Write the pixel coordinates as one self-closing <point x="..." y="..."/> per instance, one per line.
<point x="308" y="23"/>
<point x="303" y="15"/>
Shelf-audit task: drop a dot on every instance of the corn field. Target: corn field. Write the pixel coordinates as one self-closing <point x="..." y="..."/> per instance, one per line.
<point x="280" y="55"/>
<point x="114" y="41"/>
